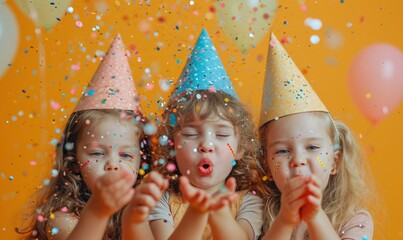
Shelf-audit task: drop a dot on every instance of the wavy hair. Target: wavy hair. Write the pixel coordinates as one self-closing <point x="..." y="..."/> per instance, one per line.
<point x="347" y="192"/>
<point x="68" y="188"/>
<point x="201" y="105"/>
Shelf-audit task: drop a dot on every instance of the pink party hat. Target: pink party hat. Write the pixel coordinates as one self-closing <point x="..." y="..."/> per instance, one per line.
<point x="286" y="90"/>
<point x="112" y="86"/>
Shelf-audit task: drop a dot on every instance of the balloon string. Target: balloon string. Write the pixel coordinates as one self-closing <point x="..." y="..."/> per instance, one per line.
<point x="42" y="70"/>
<point x="42" y="81"/>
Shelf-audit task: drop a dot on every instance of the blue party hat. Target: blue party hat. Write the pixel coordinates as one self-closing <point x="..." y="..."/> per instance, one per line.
<point x="204" y="71"/>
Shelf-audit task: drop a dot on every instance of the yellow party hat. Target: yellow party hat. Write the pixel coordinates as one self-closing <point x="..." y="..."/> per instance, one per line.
<point x="286" y="91"/>
<point x="112" y="86"/>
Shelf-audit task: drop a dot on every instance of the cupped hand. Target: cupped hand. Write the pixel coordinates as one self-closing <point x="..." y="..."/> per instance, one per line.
<point x="292" y="199"/>
<point x="204" y="201"/>
<point x="111" y="192"/>
<point x="147" y="195"/>
<point x="313" y="196"/>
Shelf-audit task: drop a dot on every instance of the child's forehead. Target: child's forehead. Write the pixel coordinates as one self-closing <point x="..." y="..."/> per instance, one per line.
<point x="109" y="125"/>
<point x="212" y="119"/>
<point x="297" y="127"/>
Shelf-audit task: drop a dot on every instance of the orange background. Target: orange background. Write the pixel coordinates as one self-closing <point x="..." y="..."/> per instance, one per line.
<point x="159" y="36"/>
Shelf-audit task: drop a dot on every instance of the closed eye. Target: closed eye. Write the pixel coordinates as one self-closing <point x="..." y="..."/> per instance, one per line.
<point x="223" y="135"/>
<point x="97" y="154"/>
<point x="189" y="135"/>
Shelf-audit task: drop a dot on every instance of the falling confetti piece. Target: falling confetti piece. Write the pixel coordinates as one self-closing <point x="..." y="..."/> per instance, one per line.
<point x="313" y="23"/>
<point x="54" y="105"/>
<point x="55" y="231"/>
<point x="64" y="209"/>
<point x="314" y="39"/>
<point x="171" y="167"/>
<point x="163" y="140"/>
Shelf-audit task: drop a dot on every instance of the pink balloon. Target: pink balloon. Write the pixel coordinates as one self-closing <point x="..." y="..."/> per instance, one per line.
<point x="376" y="80"/>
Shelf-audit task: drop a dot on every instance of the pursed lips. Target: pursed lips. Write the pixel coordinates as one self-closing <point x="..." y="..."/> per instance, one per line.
<point x="205" y="166"/>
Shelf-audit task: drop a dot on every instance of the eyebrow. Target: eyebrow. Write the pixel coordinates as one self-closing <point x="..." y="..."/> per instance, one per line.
<point x="109" y="146"/>
<point x="193" y="125"/>
<point x="281" y="141"/>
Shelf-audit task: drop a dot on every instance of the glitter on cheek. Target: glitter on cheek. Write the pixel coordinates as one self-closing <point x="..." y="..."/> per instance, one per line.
<point x="230" y="148"/>
<point x="321" y="163"/>
<point x="195" y="150"/>
<point x="82" y="165"/>
<point x="132" y="167"/>
<point x="276" y="167"/>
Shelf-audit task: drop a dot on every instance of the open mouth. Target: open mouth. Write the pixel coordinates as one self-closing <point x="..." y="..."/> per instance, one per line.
<point x="205" y="166"/>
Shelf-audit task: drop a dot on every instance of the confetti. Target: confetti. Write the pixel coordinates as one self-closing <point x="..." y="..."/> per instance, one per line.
<point x="171" y="167"/>
<point x="314" y="39"/>
<point x="55" y="231"/>
<point x="163" y="140"/>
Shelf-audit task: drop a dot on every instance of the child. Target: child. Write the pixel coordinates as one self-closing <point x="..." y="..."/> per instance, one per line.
<point x="97" y="160"/>
<point x="315" y="167"/>
<point x="207" y="146"/>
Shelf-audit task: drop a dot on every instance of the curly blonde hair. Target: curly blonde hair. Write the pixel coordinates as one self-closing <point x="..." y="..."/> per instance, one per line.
<point x="201" y="105"/>
<point x="68" y="188"/>
<point x="346" y="193"/>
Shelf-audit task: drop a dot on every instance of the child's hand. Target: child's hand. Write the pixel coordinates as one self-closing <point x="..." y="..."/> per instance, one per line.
<point x="225" y="196"/>
<point x="111" y="192"/>
<point x="203" y="201"/>
<point x="313" y="196"/>
<point x="292" y="199"/>
<point x="146" y="196"/>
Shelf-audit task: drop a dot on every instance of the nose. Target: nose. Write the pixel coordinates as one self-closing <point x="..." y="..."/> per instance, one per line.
<point x="112" y="165"/>
<point x="206" y="146"/>
<point x="297" y="160"/>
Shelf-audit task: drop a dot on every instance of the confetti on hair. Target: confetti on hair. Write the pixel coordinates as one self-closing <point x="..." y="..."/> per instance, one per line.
<point x="145" y="166"/>
<point x="142" y="172"/>
<point x="163" y="140"/>
<point x="172" y="119"/>
<point x="150" y="129"/>
<point x="171" y="167"/>
<point x="40" y="218"/>
<point x="161" y="161"/>
<point x="321" y="163"/>
<point x="233" y="163"/>
<point x="64" y="209"/>
<point x="55" y="231"/>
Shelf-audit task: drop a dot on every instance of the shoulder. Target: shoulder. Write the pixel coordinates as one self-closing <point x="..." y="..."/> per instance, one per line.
<point x="60" y="225"/>
<point x="249" y="197"/>
<point x="359" y="225"/>
<point x="251" y="211"/>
